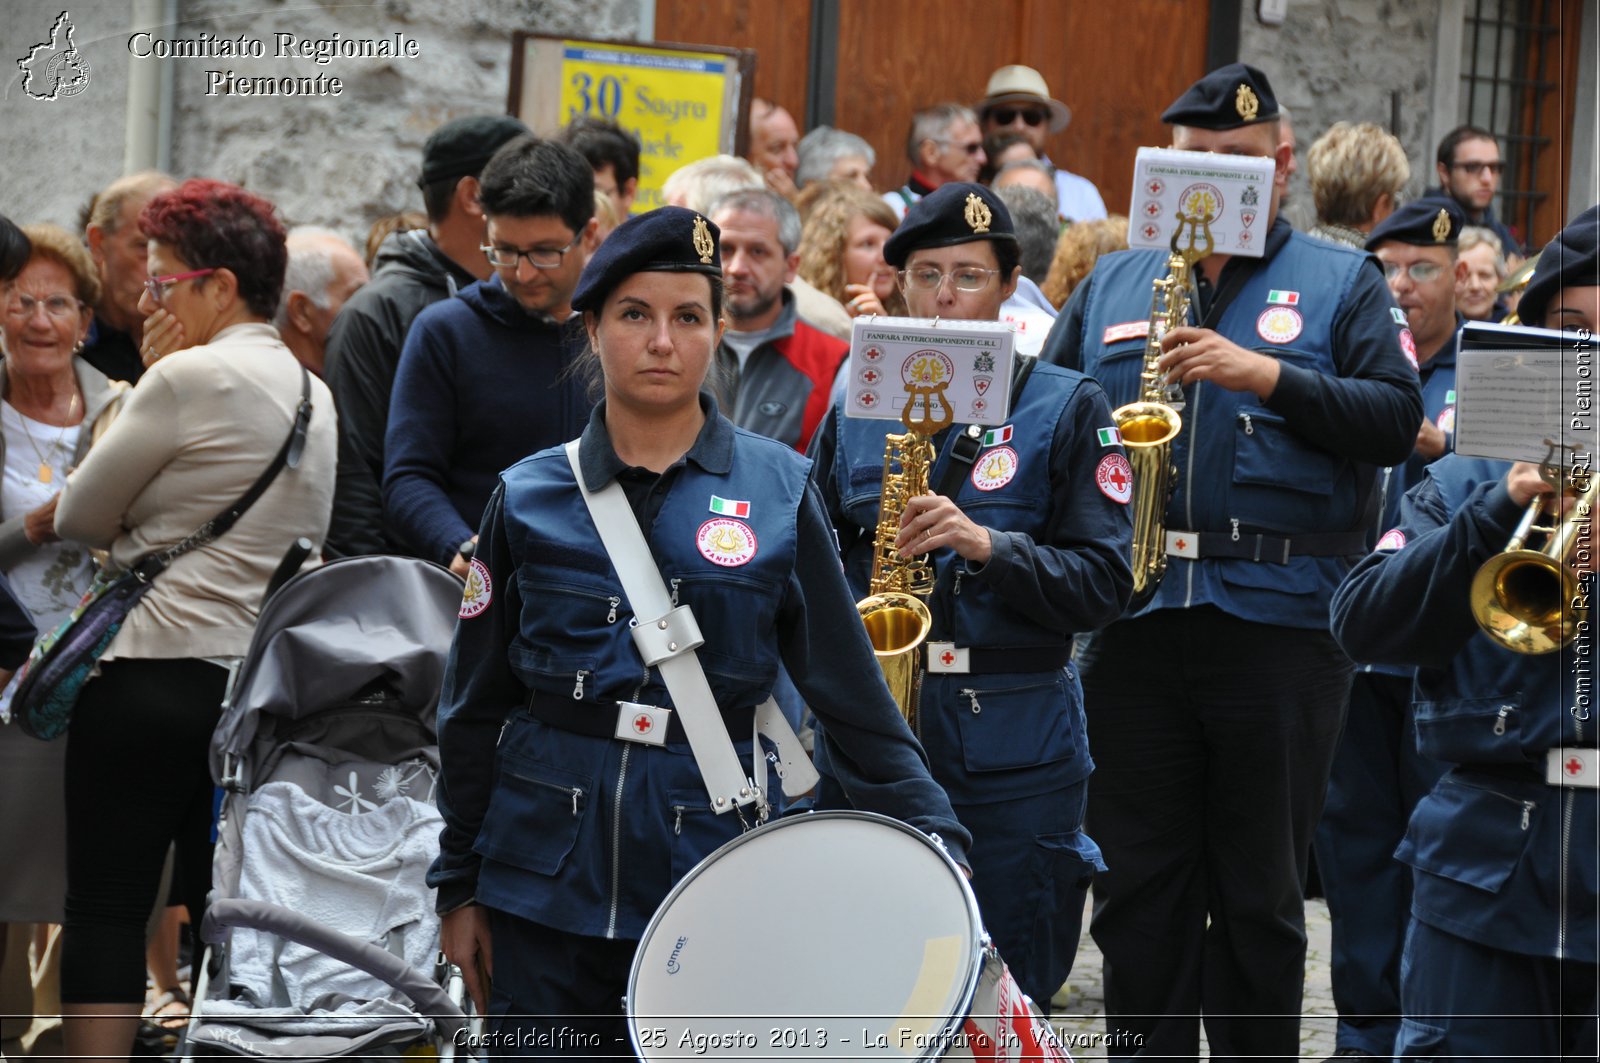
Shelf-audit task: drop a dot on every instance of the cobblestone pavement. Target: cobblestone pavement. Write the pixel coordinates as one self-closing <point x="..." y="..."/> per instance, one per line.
<point x="1079" y="1013"/>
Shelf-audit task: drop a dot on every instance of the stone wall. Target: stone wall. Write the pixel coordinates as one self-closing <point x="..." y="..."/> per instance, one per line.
<point x="1334" y="60"/>
<point x="340" y="161"/>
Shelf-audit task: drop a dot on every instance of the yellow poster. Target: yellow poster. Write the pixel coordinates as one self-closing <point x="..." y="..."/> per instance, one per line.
<point x="673" y="100"/>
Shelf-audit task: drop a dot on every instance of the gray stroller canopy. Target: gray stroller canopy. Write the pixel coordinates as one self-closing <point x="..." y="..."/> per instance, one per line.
<point x="334" y="630"/>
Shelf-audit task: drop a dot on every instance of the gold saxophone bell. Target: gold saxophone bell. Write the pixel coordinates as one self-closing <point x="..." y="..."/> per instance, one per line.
<point x="896" y="618"/>
<point x="897" y="624"/>
<point x="1528" y="600"/>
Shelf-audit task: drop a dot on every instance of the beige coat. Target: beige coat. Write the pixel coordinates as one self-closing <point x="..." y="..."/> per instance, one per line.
<point x="192" y="437"/>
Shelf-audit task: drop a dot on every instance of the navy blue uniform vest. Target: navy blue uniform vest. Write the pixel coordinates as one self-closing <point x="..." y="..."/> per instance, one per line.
<point x="1241" y="467"/>
<point x="976" y="616"/>
<point x="574" y="629"/>
<point x="997" y="737"/>
<point x="1502" y="857"/>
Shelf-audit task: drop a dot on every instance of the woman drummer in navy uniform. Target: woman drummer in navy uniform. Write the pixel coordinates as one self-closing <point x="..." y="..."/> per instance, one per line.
<point x="561" y="838"/>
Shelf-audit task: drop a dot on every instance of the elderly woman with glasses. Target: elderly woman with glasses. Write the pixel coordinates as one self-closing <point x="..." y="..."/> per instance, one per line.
<point x="206" y="421"/>
<point x="55" y="403"/>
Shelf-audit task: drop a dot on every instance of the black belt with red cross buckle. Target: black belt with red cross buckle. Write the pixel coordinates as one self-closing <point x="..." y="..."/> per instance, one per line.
<point x="946" y="658"/>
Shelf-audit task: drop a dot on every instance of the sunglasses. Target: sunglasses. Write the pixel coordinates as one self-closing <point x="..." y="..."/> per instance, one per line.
<point x="1007" y="115"/>
<point x="971" y="149"/>
<point x="1475" y="168"/>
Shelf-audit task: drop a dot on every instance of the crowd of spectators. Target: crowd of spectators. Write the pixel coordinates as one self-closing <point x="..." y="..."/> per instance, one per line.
<point x="169" y="334"/>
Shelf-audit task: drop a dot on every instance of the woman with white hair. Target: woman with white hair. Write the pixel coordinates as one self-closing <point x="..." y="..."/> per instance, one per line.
<point x="829" y="154"/>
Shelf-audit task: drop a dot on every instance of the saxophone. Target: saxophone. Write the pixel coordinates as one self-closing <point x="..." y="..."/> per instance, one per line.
<point x="894" y="611"/>
<point x="1149" y="425"/>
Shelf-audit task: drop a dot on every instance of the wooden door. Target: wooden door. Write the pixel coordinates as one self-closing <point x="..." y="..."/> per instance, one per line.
<point x="1116" y="65"/>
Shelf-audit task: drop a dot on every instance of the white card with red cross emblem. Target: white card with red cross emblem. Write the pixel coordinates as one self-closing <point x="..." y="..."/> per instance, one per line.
<point x="1233" y="191"/>
<point x="642" y="723"/>
<point x="895" y="361"/>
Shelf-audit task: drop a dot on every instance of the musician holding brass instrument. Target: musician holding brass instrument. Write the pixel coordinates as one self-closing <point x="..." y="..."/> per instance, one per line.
<point x="1378" y="776"/>
<point x="1017" y="536"/>
<point x="1500" y="957"/>
<point x="1214" y="705"/>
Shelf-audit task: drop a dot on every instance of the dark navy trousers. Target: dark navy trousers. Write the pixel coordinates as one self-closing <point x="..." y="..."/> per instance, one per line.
<point x="1464" y="1000"/>
<point x="1378" y="778"/>
<point x="1212" y="739"/>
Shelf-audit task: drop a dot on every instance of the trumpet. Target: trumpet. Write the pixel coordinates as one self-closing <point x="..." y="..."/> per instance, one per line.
<point x="1528" y="600"/>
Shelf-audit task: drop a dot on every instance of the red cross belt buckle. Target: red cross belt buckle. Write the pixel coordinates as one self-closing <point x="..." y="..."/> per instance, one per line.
<point x="1183" y="544"/>
<point x="642" y="723"/>
<point x="1570" y="766"/>
<point x="948" y="658"/>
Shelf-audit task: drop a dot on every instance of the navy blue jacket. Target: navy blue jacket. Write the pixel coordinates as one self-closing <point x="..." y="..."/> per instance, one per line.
<point x="589" y="834"/>
<point x="1501" y="857"/>
<point x="1304" y="461"/>
<point x="1060" y="565"/>
<point x="482" y="383"/>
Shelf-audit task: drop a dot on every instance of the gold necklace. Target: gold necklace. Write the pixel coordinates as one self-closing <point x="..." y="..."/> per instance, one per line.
<point x="46" y="473"/>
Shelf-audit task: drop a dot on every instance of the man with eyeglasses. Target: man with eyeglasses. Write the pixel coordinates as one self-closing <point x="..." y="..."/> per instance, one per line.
<point x="1378" y="776"/>
<point x="1469" y="168"/>
<point x="1215" y="706"/>
<point x="1017" y="100"/>
<point x="944" y="145"/>
<point x="1027" y="530"/>
<point x="412" y="270"/>
<point x="486" y="378"/>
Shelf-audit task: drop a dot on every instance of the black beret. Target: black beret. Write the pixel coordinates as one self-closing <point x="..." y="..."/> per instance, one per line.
<point x="1432" y="221"/>
<point x="1227" y="98"/>
<point x="1568" y="261"/>
<point x="664" y="240"/>
<point x="955" y="213"/>
<point x="461" y="147"/>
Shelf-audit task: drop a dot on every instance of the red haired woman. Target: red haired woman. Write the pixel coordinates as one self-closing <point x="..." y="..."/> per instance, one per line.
<point x="206" y="420"/>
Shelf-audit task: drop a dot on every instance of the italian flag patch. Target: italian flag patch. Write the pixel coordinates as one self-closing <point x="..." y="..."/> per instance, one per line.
<point x="1109" y="437"/>
<point x="995" y="436"/>
<point x="1286" y="298"/>
<point x="729" y="507"/>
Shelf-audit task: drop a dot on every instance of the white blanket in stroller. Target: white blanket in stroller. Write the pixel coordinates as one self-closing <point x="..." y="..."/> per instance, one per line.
<point x="359" y="874"/>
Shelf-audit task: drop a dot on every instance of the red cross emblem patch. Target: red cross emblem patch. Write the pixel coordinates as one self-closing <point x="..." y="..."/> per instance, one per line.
<point x="1114" y="477"/>
<point x="643" y="724"/>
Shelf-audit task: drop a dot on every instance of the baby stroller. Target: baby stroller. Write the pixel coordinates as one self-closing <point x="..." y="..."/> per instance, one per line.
<point x="321" y="937"/>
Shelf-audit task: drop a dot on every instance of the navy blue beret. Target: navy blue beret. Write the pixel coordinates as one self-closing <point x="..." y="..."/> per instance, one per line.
<point x="1432" y="221"/>
<point x="955" y="213"/>
<point x="1227" y="98"/>
<point x="664" y="240"/>
<point x="1568" y="261"/>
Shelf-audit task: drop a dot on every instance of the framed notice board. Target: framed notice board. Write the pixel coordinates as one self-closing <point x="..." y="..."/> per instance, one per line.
<point x="685" y="101"/>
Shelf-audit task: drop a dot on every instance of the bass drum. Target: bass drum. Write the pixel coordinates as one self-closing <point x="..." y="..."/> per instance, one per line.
<point x="832" y="935"/>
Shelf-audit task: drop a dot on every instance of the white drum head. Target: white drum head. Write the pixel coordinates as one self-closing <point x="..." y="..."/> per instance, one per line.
<point x="831" y="935"/>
